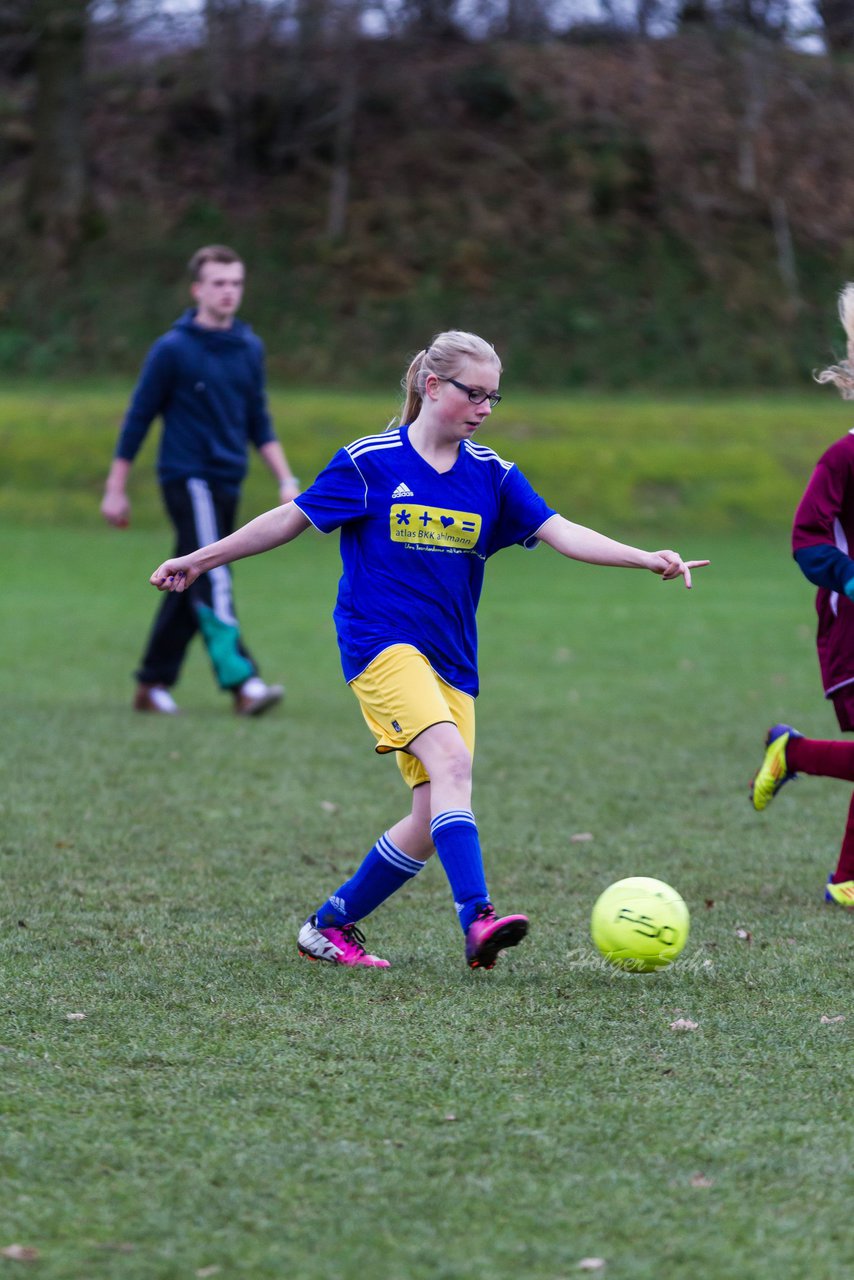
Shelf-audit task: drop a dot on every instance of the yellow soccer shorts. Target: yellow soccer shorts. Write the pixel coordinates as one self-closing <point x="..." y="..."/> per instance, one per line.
<point x="401" y="695"/>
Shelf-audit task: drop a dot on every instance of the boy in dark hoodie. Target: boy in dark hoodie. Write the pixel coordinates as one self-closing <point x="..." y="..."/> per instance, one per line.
<point x="205" y="379"/>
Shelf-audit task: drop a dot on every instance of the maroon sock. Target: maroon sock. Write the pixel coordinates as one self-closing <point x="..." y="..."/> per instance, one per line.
<point x="845" y="868"/>
<point x="823" y="759"/>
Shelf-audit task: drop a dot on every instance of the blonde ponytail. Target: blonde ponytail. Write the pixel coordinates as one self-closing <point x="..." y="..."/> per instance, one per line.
<point x="413" y="389"/>
<point x="842" y="374"/>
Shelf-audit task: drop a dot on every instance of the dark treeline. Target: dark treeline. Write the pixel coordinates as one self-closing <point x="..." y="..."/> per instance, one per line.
<point x="642" y="193"/>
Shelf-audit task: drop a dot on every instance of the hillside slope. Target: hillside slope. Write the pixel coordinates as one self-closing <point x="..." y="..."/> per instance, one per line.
<point x="658" y="214"/>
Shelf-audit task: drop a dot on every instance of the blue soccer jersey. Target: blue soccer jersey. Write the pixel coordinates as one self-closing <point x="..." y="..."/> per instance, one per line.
<point x="414" y="544"/>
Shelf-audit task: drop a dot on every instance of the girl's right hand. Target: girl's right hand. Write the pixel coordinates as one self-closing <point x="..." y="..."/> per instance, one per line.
<point x="174" y="575"/>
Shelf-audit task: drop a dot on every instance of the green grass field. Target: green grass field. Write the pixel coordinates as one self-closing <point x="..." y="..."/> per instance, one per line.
<point x="715" y="463"/>
<point x="224" y="1108"/>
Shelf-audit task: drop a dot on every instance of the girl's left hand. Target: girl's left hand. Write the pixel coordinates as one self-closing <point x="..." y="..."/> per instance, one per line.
<point x="669" y="564"/>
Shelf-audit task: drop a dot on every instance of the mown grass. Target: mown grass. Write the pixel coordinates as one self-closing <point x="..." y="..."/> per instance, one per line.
<point x="717" y="463"/>
<point x="222" y="1104"/>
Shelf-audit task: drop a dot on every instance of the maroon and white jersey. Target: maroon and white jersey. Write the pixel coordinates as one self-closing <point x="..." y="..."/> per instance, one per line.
<point x="822" y="542"/>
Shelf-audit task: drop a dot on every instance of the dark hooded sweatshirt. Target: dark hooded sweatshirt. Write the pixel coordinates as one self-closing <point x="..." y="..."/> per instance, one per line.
<point x="208" y="386"/>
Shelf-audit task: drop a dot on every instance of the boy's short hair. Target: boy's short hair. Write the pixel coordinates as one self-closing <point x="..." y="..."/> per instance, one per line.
<point x="211" y="253"/>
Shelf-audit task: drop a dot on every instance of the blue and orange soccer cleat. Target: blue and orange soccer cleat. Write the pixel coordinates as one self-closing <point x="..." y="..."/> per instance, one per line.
<point x="343" y="944"/>
<point x="773" y="773"/>
<point x="840" y="894"/>
<point x="488" y="935"/>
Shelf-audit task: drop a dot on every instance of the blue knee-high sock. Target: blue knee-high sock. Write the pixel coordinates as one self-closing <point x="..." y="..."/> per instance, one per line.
<point x="385" y="869"/>
<point x="457" y="843"/>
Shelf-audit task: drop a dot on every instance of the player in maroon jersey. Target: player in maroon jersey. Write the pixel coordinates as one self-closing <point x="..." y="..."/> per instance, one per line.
<point x="822" y="544"/>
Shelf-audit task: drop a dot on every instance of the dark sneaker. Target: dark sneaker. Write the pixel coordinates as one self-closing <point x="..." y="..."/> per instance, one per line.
<point x="343" y="944"/>
<point x="773" y="773"/>
<point x="156" y="698"/>
<point x="254" y="696"/>
<point x="488" y="935"/>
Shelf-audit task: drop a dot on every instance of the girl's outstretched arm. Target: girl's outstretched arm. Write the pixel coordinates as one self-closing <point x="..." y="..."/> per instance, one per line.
<point x="580" y="543"/>
<point x="272" y="529"/>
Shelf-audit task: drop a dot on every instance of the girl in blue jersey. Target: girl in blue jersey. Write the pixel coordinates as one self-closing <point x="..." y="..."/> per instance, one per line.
<point x="420" y="509"/>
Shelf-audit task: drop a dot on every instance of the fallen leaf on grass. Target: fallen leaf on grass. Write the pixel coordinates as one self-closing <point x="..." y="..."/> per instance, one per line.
<point x="449" y="1118"/>
<point x="710" y="902"/>
<point x="208" y="1271"/>
<point x="591" y="1264"/>
<point x="744" y="934"/>
<point x="329" y="806"/>
<point x="74" y="1017"/>
<point x="581" y="837"/>
<point x="700" y="1180"/>
<point x="840" y="1017"/>
<point x="684" y="1024"/>
<point x="19" y="1253"/>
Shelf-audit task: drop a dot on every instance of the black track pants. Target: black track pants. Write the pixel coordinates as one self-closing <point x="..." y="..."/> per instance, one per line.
<point x="200" y="514"/>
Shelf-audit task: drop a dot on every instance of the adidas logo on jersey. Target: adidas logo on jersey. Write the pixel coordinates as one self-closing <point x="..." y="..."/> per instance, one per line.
<point x="403" y="491"/>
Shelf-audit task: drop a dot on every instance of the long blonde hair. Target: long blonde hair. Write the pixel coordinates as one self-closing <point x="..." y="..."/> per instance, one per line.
<point x="842" y="374"/>
<point x="443" y="357"/>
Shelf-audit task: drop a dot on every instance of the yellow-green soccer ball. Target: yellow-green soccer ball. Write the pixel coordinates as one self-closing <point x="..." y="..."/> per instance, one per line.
<point x="640" y="924"/>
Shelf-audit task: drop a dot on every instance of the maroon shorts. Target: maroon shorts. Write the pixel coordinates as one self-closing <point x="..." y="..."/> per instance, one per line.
<point x="843" y="705"/>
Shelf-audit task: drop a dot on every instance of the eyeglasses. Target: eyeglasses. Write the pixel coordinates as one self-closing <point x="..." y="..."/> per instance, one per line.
<point x="474" y="395"/>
